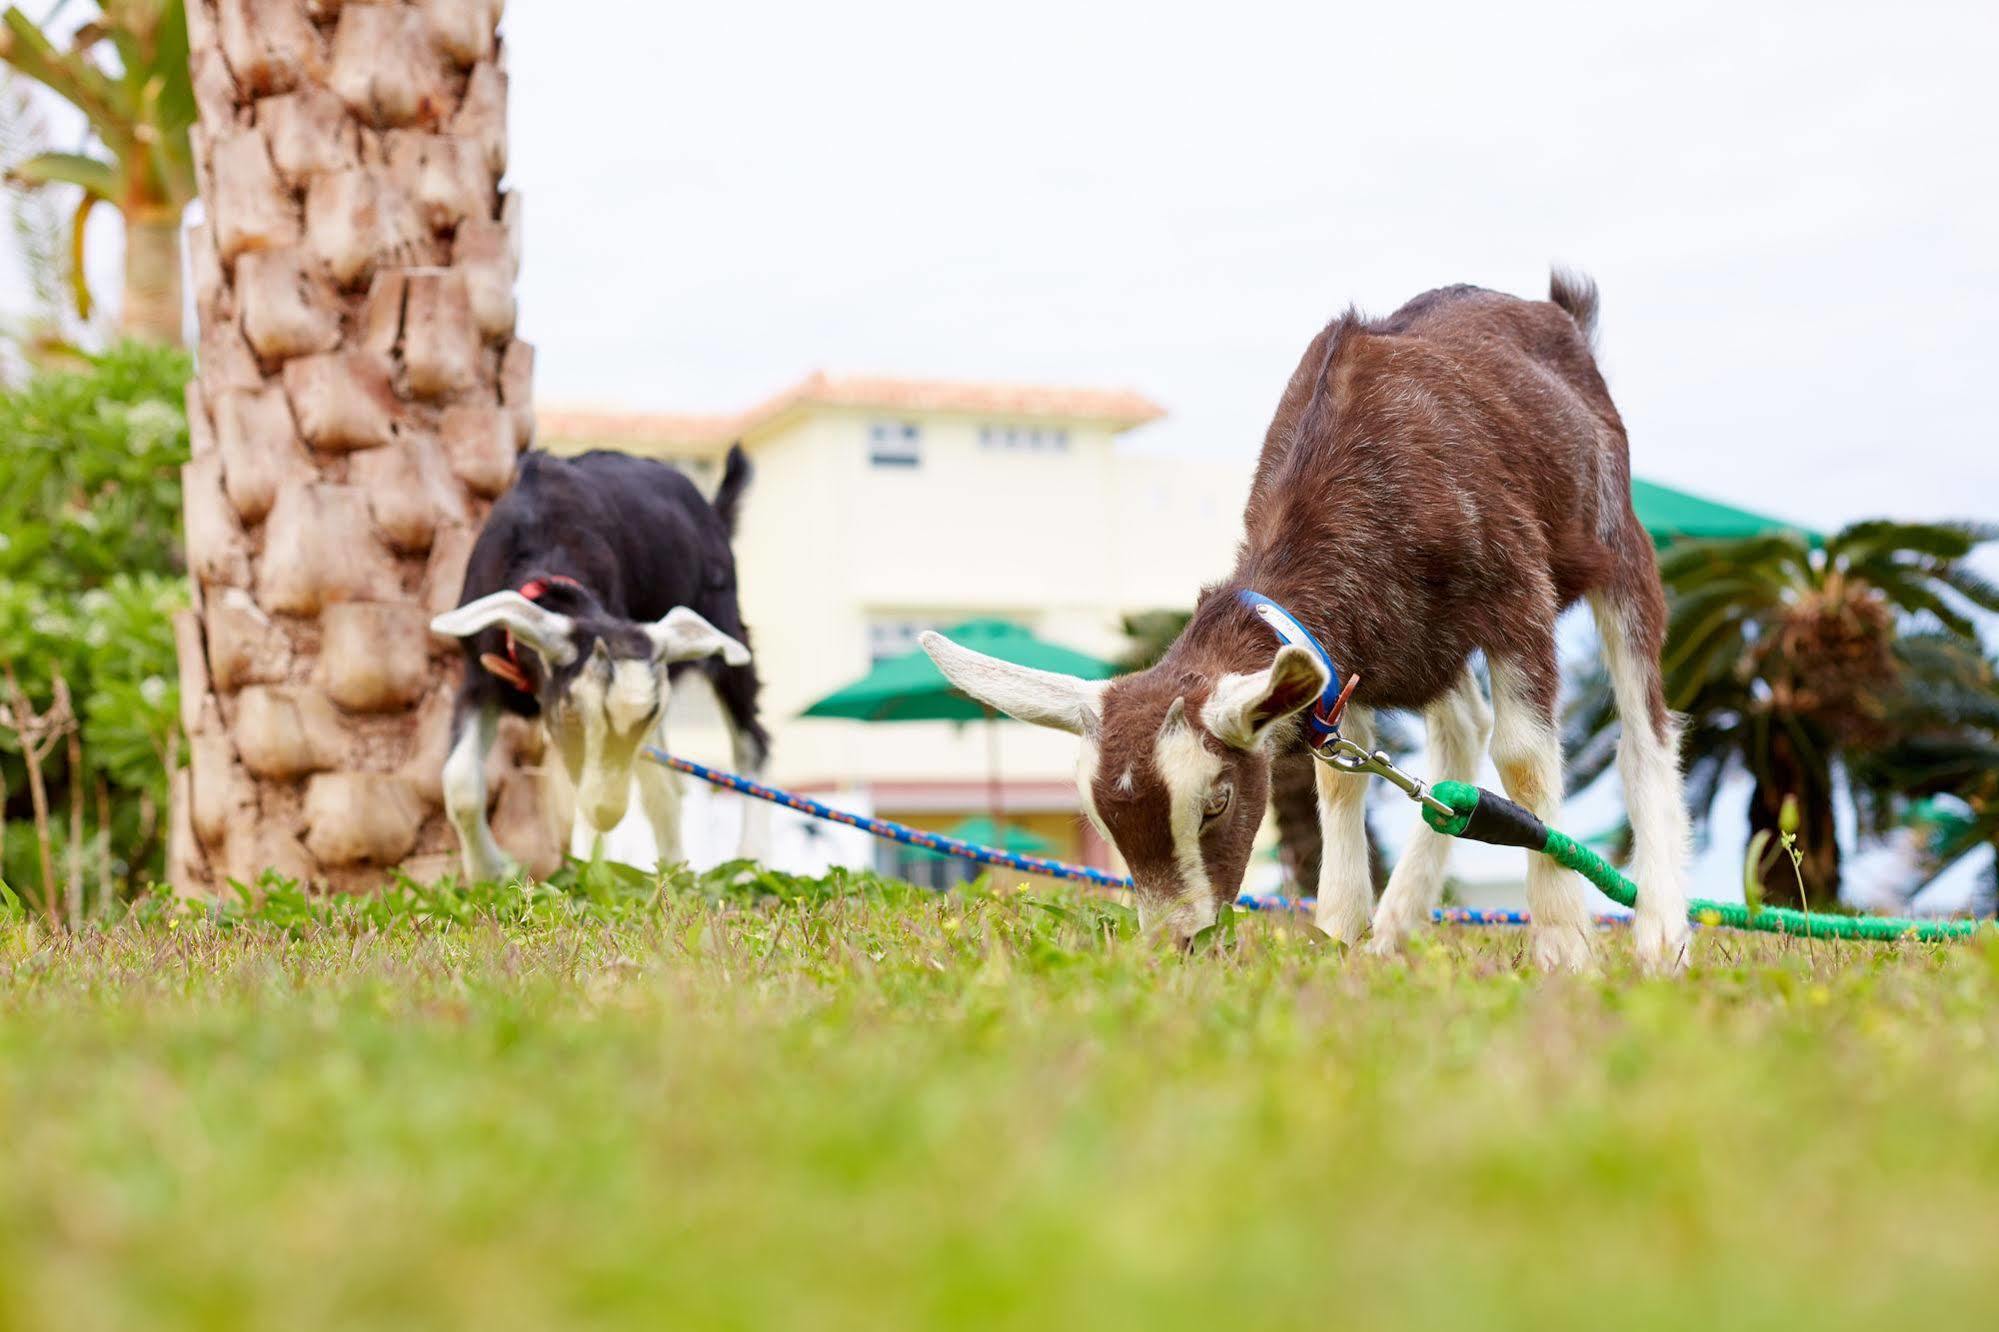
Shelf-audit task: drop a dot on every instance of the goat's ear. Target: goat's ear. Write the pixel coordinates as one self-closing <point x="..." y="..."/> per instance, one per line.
<point x="682" y="635"/>
<point x="1065" y="702"/>
<point x="544" y="630"/>
<point x="1243" y="708"/>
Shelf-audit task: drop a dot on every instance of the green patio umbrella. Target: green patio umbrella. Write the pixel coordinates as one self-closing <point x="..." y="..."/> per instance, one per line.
<point x="911" y="688"/>
<point x="1668" y="513"/>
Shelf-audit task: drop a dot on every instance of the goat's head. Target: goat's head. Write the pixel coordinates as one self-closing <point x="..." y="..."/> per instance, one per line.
<point x="604" y="682"/>
<point x="1175" y="768"/>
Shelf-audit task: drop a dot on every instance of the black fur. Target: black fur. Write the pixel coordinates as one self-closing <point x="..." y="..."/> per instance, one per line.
<point x="736" y="473"/>
<point x="640" y="539"/>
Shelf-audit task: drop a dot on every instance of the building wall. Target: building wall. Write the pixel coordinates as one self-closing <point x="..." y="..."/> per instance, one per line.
<point x="1062" y="542"/>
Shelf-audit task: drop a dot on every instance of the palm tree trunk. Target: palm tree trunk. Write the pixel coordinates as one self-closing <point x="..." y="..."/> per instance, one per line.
<point x="1818" y="829"/>
<point x="361" y="401"/>
<point x="152" y="305"/>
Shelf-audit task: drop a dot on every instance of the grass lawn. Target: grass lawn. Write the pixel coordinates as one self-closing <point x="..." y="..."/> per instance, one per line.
<point x="864" y="1107"/>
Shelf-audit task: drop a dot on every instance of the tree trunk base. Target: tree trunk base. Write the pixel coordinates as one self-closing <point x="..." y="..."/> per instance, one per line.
<point x="362" y="399"/>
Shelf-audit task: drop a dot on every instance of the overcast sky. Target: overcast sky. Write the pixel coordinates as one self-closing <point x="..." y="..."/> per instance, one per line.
<point x="1790" y="208"/>
<point x="1793" y="210"/>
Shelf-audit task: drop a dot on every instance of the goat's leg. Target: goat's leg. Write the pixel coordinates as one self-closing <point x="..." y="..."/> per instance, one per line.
<point x="1458" y="726"/>
<point x="749" y="749"/>
<point x="659" y="797"/>
<point x="1528" y="752"/>
<point x="1632" y="632"/>
<point x="474" y="729"/>
<point x="1346" y="889"/>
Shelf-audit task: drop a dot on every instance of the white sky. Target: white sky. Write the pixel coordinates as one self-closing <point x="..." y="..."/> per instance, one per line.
<point x="1790" y="209"/>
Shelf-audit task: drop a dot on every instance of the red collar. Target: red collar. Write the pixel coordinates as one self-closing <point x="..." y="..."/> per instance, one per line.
<point x="508" y="668"/>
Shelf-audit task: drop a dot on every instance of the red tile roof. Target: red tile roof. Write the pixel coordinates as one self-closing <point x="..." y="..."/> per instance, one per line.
<point x="1119" y="409"/>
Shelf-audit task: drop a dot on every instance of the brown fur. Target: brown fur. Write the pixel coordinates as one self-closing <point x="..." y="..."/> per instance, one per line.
<point x="1443" y="481"/>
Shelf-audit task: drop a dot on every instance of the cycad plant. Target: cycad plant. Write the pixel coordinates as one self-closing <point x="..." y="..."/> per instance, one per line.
<point x="1946" y="743"/>
<point x="127" y="71"/>
<point x="1795" y="661"/>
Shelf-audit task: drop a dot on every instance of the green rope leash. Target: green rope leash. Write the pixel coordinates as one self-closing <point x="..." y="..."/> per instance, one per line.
<point x="1485" y="817"/>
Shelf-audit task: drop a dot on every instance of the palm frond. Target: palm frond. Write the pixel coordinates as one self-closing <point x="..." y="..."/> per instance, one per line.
<point x="1699" y="561"/>
<point x="1697" y="675"/>
<point x="1973" y="586"/>
<point x="1862" y="544"/>
<point x="1911" y="595"/>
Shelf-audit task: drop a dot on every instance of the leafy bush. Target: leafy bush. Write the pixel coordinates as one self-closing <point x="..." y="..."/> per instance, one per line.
<point x="90" y="575"/>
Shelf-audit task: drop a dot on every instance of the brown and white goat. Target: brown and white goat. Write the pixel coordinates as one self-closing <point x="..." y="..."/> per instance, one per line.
<point x="1441" y="482"/>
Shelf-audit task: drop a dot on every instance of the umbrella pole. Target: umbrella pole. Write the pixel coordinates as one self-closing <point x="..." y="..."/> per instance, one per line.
<point x="993" y="776"/>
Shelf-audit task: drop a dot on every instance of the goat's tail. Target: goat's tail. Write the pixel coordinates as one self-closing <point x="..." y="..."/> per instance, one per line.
<point x="736" y="474"/>
<point x="1576" y="293"/>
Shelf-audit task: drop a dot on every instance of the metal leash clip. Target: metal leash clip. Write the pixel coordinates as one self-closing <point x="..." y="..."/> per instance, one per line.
<point x="1344" y="755"/>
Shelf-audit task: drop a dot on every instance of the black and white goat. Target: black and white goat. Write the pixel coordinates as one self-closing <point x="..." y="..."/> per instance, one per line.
<point x="597" y="583"/>
<point x="1434" y="484"/>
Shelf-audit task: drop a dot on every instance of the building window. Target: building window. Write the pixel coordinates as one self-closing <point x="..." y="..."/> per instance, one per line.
<point x="895" y="444"/>
<point x="1024" y="438"/>
<point x="892" y="636"/>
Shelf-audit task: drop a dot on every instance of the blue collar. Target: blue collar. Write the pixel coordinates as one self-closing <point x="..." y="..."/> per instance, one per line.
<point x="1322" y="719"/>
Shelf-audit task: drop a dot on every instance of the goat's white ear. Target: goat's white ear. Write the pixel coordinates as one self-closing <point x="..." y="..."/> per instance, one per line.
<point x="1242" y="708"/>
<point x="682" y="635"/>
<point x="544" y="630"/>
<point x="1065" y="702"/>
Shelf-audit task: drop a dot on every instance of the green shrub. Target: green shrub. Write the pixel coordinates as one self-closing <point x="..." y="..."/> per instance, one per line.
<point x="90" y="575"/>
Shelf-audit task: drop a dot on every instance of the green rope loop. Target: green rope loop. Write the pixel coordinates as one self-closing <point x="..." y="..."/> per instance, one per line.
<point x="1463" y="799"/>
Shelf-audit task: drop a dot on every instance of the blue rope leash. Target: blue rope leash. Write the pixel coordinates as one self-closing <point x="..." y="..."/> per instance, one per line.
<point x="987" y="855"/>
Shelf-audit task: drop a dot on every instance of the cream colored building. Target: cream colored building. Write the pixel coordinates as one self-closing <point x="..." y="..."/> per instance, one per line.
<point x="882" y="507"/>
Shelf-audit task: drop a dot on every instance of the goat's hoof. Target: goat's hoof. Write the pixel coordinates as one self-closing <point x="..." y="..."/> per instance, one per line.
<point x="1662" y="944"/>
<point x="498" y="869"/>
<point x="1558" y="949"/>
<point x="1345" y="933"/>
<point x="1387" y="943"/>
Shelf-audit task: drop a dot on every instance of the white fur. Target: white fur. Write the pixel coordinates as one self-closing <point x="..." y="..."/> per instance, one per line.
<point x="1650" y="769"/>
<point x="1458" y="725"/>
<point x="547" y="632"/>
<point x="1529" y="756"/>
<point x="617" y="703"/>
<point x="659" y="797"/>
<point x="1041" y="698"/>
<point x="682" y="635"/>
<point x="1188" y="769"/>
<point x="1086" y="786"/>
<point x="1346" y="889"/>
<point x="465" y="799"/>
<point x="1234" y="710"/>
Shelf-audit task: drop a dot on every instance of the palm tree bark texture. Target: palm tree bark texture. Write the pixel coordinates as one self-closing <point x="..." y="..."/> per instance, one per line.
<point x="361" y="400"/>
